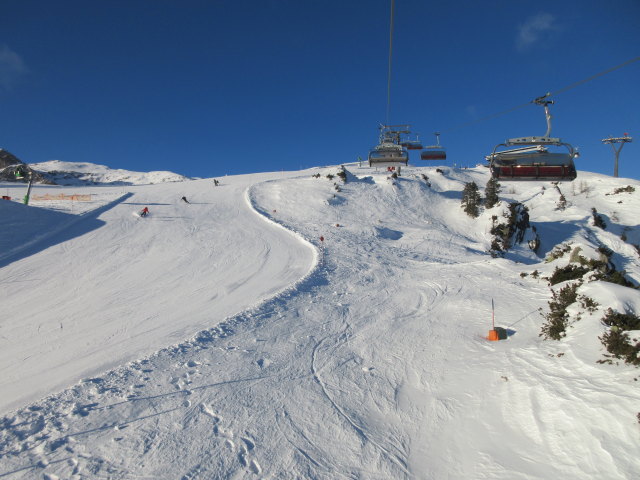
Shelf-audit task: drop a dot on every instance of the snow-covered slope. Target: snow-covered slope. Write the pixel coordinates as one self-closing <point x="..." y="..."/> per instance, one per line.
<point x="84" y="173"/>
<point x="363" y="357"/>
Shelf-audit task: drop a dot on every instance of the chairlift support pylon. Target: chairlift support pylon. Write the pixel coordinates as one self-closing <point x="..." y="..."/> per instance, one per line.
<point x="616" y="150"/>
<point x="434" y="152"/>
<point x="23" y="172"/>
<point x="531" y="159"/>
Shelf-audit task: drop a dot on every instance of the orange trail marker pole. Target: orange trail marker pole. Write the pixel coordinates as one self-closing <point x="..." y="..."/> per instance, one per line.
<point x="493" y="316"/>
<point x="493" y="335"/>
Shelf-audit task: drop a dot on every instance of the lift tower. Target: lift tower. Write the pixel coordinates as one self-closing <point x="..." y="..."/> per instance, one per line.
<point x="616" y="151"/>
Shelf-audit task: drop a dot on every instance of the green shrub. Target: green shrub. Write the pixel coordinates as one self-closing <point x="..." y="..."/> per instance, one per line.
<point x="623" y="321"/>
<point x="619" y="345"/>
<point x="558" y="251"/>
<point x="562" y="203"/>
<point x="471" y="199"/>
<point x="513" y="231"/>
<point x="570" y="272"/>
<point x="615" y="276"/>
<point x="598" y="221"/>
<point x="491" y="193"/>
<point x="627" y="189"/>
<point x="558" y="317"/>
<point x="589" y="304"/>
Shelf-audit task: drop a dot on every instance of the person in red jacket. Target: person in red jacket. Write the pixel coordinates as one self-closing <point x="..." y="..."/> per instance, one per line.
<point x="144" y="212"/>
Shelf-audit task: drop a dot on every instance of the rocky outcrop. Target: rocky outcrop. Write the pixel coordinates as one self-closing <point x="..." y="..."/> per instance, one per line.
<point x="9" y="163"/>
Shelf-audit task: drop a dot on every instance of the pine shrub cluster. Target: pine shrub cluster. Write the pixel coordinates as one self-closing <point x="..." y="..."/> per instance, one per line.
<point x="558" y="317"/>
<point x="627" y="189"/>
<point x="513" y="231"/>
<point x="588" y="303"/>
<point x="342" y="174"/>
<point x="558" y="252"/>
<point x="471" y="199"/>
<point x="491" y="193"/>
<point x="598" y="221"/>
<point x="617" y="341"/>
<point x="569" y="272"/>
<point x="562" y="200"/>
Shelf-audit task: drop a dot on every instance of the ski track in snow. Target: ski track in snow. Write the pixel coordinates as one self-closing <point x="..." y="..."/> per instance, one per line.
<point x="370" y="366"/>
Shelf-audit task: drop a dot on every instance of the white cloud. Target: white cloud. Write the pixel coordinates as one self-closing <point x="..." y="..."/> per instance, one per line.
<point x="537" y="28"/>
<point x="11" y="67"/>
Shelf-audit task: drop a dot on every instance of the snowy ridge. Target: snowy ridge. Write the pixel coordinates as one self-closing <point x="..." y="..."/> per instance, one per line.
<point x="84" y="173"/>
<point x="370" y="364"/>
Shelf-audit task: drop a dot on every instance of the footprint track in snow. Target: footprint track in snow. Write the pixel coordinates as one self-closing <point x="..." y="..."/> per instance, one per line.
<point x="242" y="448"/>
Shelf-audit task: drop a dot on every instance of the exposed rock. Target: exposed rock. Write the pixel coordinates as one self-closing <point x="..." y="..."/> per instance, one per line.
<point x="9" y="163"/>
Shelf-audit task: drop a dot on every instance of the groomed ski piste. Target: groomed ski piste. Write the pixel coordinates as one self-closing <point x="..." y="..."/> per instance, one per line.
<point x="222" y="339"/>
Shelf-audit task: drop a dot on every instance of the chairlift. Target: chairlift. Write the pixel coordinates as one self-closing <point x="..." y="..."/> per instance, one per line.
<point x="390" y="152"/>
<point x="531" y="159"/>
<point x="434" y="152"/>
<point x="412" y="144"/>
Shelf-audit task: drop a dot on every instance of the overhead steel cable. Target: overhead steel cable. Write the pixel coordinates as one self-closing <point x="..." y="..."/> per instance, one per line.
<point x="390" y="58"/>
<point x="588" y="79"/>
<point x="557" y="92"/>
<point x="488" y="117"/>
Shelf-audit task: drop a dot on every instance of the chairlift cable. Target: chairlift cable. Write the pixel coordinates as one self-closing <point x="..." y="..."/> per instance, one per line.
<point x="557" y="92"/>
<point x="389" y="68"/>
<point x="588" y="79"/>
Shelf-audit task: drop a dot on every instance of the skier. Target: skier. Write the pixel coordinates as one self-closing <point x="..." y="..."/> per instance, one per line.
<point x="144" y="212"/>
<point x="184" y="199"/>
<point x="216" y="182"/>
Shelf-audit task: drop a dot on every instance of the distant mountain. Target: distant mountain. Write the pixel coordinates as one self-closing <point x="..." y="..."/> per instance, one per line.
<point x="7" y="159"/>
<point x="56" y="172"/>
<point x="84" y="173"/>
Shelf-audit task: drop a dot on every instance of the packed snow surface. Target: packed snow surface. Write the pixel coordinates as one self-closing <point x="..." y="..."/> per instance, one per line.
<point x="288" y="326"/>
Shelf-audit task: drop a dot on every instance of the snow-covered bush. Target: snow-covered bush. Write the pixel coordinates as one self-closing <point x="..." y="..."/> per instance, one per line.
<point x="617" y="340"/>
<point x="558" y="317"/>
<point x="562" y="200"/>
<point x="513" y="231"/>
<point x="471" y="199"/>
<point x="598" y="221"/>
<point x="492" y="189"/>
<point x="627" y="189"/>
<point x="558" y="252"/>
<point x="581" y="187"/>
<point x="588" y="303"/>
<point x="568" y="272"/>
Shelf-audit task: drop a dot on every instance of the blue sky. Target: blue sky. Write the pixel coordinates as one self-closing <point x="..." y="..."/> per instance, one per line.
<point x="208" y="88"/>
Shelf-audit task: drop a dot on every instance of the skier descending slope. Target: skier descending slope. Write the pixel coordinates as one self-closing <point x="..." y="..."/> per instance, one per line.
<point x="142" y="213"/>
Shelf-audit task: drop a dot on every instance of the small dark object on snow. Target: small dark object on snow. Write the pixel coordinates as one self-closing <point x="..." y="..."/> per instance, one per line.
<point x="502" y="333"/>
<point x="184" y="199"/>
